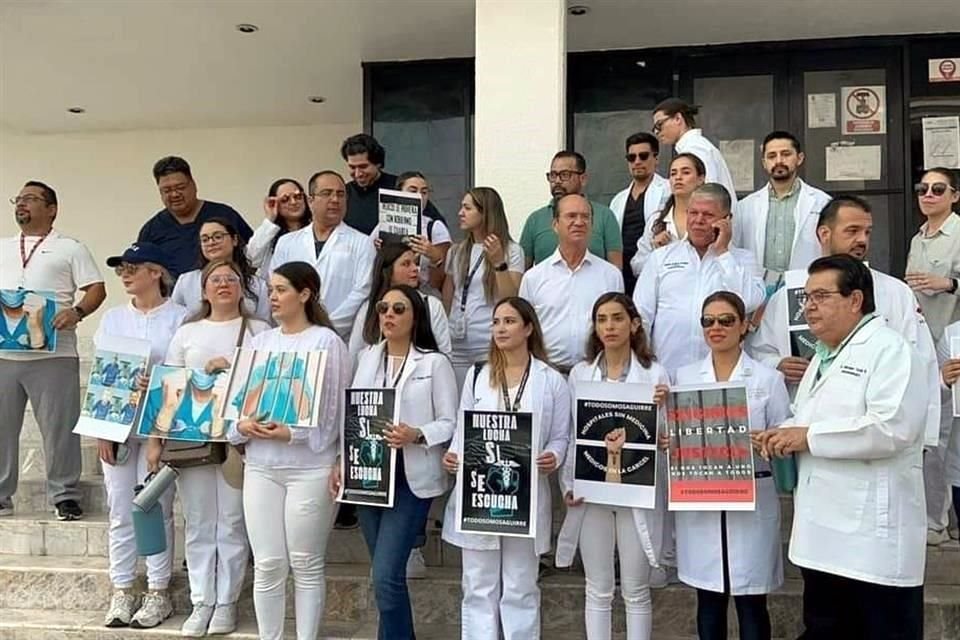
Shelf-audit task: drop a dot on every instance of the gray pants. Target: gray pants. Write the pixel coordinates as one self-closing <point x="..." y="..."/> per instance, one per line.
<point x="53" y="387"/>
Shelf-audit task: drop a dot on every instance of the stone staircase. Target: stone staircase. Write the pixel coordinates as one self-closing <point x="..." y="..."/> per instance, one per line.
<point x="54" y="582"/>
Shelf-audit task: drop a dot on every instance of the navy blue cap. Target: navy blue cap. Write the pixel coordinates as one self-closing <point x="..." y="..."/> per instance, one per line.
<point x="140" y="252"/>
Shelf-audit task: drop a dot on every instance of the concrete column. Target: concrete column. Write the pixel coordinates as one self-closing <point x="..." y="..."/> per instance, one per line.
<point x="521" y="88"/>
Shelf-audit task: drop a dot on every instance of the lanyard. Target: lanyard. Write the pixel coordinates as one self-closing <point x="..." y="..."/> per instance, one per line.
<point x="603" y="370"/>
<point x="516" y="400"/>
<point x="468" y="280"/>
<point x="24" y="256"/>
<point x="396" y="378"/>
<point x="843" y="345"/>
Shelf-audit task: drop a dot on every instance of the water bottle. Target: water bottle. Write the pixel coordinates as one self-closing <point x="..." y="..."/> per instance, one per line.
<point x="148" y="526"/>
<point x="784" y="473"/>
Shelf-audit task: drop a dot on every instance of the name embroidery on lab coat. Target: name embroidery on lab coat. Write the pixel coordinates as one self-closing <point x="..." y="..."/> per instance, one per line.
<point x="675" y="266"/>
<point x="857" y="372"/>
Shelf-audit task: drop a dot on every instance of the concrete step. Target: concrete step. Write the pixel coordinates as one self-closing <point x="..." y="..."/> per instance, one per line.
<point x="31" y="495"/>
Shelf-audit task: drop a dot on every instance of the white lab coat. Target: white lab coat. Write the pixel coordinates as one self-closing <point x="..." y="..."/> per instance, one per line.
<point x="438" y="323"/>
<point x="645" y="242"/>
<point x="548" y="398"/>
<point x="671" y="290"/>
<point x="693" y="141"/>
<point x="754" y="551"/>
<point x="750" y="224"/>
<point x="897" y="305"/>
<point x="859" y="507"/>
<point x="649" y="522"/>
<point x="952" y="424"/>
<point x="260" y="247"/>
<point x="344" y="267"/>
<point x="427" y="399"/>
<point x="653" y="199"/>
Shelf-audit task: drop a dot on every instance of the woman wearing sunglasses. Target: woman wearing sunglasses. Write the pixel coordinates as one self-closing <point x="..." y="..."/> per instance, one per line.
<point x="219" y="240"/>
<point x="150" y="316"/>
<point x="407" y="360"/>
<point x="734" y="553"/>
<point x="284" y="209"/>
<point x="617" y="351"/>
<point x="499" y="584"/>
<point x="396" y="264"/>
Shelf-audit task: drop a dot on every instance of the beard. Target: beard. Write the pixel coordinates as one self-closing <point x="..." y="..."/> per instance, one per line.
<point x="781" y="172"/>
<point x="22" y="217"/>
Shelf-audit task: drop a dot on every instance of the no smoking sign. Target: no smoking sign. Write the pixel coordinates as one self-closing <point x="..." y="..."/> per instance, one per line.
<point x="864" y="109"/>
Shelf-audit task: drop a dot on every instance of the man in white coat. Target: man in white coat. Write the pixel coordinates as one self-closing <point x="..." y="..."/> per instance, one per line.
<point x="342" y="256"/>
<point x="674" y="122"/>
<point x="639" y="203"/>
<point x="778" y="223"/>
<point x="859" y="521"/>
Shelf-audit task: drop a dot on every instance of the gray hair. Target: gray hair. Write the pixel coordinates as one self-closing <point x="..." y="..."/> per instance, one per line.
<point x="713" y="191"/>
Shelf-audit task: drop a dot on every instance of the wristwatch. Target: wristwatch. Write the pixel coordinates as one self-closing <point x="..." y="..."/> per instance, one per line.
<point x="956" y="285"/>
<point x="421" y="439"/>
<point x="80" y="312"/>
<point x="501" y="267"/>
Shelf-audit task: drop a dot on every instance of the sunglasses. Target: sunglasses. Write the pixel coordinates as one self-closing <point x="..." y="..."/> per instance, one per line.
<point x="937" y="188"/>
<point x="726" y="320"/>
<point x="127" y="268"/>
<point x="643" y="156"/>
<point x="399" y="308"/>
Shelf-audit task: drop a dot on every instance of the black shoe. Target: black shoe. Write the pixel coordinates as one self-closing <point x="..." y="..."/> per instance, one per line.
<point x="68" y="510"/>
<point x="347" y="517"/>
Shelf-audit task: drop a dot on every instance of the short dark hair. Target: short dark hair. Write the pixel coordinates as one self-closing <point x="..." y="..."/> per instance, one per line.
<point x="852" y="275"/>
<point x="643" y="138"/>
<point x="364" y="143"/>
<point x="731" y="299"/>
<point x="407" y="175"/>
<point x="781" y="135"/>
<point x="581" y="162"/>
<point x="828" y="215"/>
<point x="48" y="193"/>
<point x="673" y="106"/>
<point x="169" y="165"/>
<point x="320" y="174"/>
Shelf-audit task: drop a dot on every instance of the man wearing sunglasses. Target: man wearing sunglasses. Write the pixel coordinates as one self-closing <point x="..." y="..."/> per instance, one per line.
<point x="643" y="197"/>
<point x="41" y="259"/>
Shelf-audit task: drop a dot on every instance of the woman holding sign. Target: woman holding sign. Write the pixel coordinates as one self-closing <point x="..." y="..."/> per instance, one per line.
<point x="216" y="539"/>
<point x="425" y="402"/>
<point x="617" y="351"/>
<point x="500" y="570"/>
<point x="288" y="508"/>
<point x="738" y="553"/>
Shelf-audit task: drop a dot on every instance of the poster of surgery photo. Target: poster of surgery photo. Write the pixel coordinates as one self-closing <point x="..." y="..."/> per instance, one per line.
<point x="711" y="458"/>
<point x="111" y="403"/>
<point x="401" y="215"/>
<point x="802" y="341"/>
<point x="616" y="447"/>
<point x="367" y="462"/>
<point x="275" y="386"/>
<point x="184" y="404"/>
<point x="27" y="323"/>
<point x="497" y="478"/>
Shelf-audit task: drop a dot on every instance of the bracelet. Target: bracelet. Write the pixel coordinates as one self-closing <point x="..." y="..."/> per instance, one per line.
<point x="80" y="312"/>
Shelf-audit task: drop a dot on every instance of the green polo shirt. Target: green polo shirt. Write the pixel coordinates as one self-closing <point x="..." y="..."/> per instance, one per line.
<point x="828" y="355"/>
<point x="539" y="240"/>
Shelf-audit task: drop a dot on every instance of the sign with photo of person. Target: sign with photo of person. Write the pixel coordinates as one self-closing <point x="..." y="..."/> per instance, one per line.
<point x="401" y="215"/>
<point x="616" y="444"/>
<point x="367" y="462"/>
<point x="711" y="458"/>
<point x="27" y="321"/>
<point x="112" y="399"/>
<point x="184" y="404"/>
<point x="497" y="478"/>
<point x="275" y="386"/>
<point x="802" y="341"/>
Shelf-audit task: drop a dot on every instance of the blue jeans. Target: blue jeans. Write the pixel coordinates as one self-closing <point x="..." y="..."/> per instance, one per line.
<point x="390" y="534"/>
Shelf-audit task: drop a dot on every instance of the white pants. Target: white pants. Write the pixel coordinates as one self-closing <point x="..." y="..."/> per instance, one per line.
<point x="603" y="527"/>
<point x="500" y="591"/>
<point x="289" y="515"/>
<point x="935" y="485"/>
<point x="216" y="540"/>
<point x="119" y="481"/>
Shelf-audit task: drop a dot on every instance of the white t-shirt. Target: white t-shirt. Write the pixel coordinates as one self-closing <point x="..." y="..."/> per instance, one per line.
<point x="477" y="313"/>
<point x="61" y="265"/>
<point x="157" y="326"/>
<point x="197" y="343"/>
<point x="188" y="293"/>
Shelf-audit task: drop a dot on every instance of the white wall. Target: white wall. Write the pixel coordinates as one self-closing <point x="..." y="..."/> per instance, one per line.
<point x="106" y="189"/>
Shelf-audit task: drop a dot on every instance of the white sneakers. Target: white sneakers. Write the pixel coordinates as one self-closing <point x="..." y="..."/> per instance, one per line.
<point x="416" y="566"/>
<point x="936" y="537"/>
<point x="224" y="620"/>
<point x="196" y="625"/>
<point x="123" y="604"/>
<point x="154" y="609"/>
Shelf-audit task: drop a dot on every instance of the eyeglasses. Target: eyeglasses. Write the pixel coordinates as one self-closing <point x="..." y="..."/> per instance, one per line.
<point x="329" y="193"/>
<point x="658" y="125"/>
<point x="643" y="156"/>
<point x="176" y="188"/>
<point x="815" y="297"/>
<point x="726" y="320"/>
<point x="27" y="199"/>
<point x="936" y="188"/>
<point x="126" y="269"/>
<point x="214" y="238"/>
<point x="398" y="308"/>
<point x="227" y="279"/>
<point x="562" y="176"/>
<point x="290" y="197"/>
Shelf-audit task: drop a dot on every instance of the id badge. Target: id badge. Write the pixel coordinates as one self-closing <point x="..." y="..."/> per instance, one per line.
<point x="458" y="327"/>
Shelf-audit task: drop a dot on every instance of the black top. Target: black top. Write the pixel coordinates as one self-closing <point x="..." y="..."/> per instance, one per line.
<point x="181" y="242"/>
<point x="633" y="225"/>
<point x="363" y="205"/>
